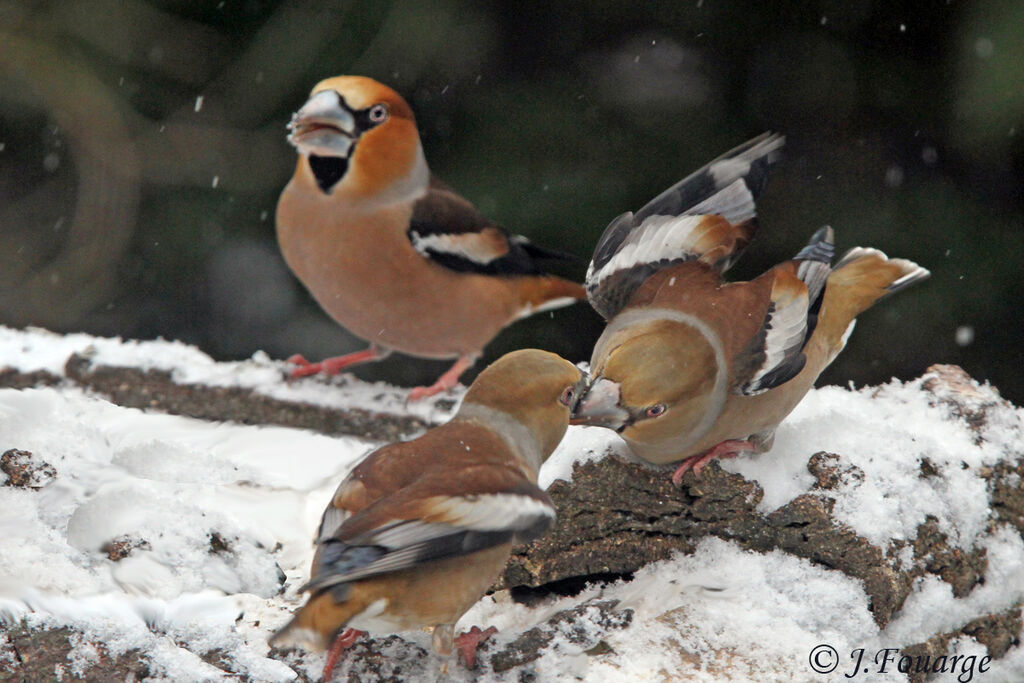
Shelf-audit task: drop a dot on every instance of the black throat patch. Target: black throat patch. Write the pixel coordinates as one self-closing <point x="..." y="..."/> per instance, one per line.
<point x="328" y="170"/>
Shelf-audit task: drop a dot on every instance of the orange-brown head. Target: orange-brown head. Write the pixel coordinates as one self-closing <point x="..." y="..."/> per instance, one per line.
<point x="535" y="389"/>
<point x="357" y="140"/>
<point x="655" y="382"/>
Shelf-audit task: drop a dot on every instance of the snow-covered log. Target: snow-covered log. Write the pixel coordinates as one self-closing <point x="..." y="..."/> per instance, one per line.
<point x="156" y="511"/>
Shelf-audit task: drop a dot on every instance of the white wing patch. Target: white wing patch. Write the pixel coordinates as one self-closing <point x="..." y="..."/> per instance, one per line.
<point x="813" y="274"/>
<point x="403" y="532"/>
<point x="549" y="305"/>
<point x="661" y="238"/>
<point x="492" y="511"/>
<point x="734" y="203"/>
<point x="466" y="246"/>
<point x="448" y="514"/>
<point x="657" y="238"/>
<point x="786" y="328"/>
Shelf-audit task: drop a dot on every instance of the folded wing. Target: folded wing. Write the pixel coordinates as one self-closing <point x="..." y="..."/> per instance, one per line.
<point x="448" y="230"/>
<point x="418" y="525"/>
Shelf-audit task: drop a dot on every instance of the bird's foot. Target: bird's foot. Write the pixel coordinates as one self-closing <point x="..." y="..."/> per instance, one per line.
<point x="726" y="449"/>
<point x="445" y="382"/>
<point x="468" y="642"/>
<point x="332" y="366"/>
<point x="342" y="642"/>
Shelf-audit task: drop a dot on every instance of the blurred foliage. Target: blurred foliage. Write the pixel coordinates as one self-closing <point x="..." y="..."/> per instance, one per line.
<point x="142" y="151"/>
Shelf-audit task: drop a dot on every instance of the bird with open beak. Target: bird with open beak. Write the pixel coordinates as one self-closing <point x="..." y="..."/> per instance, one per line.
<point x="689" y="367"/>
<point x="419" y="530"/>
<point x="392" y="254"/>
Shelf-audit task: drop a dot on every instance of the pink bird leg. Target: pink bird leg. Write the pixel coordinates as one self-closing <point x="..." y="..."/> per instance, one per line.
<point x="468" y="642"/>
<point x="726" y="449"/>
<point x="332" y="366"/>
<point x="446" y="381"/>
<point x="342" y="642"/>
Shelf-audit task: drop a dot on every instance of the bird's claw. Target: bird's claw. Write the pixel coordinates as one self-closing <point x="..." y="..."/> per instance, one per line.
<point x="726" y="449"/>
<point x="468" y="642"/>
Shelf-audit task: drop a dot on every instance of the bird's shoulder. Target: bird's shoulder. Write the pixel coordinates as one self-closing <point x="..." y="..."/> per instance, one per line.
<point x="447" y="229"/>
<point x="445" y="453"/>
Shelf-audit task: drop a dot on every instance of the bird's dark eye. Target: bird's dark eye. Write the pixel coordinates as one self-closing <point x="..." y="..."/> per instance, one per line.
<point x="378" y="113"/>
<point x="567" y="396"/>
<point x="656" y="410"/>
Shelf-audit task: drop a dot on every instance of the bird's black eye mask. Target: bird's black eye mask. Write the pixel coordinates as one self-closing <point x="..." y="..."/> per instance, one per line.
<point x="328" y="171"/>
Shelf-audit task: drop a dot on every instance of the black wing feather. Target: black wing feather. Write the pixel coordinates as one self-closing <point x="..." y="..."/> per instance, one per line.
<point x="703" y="183"/>
<point x="442" y="212"/>
<point x="813" y="267"/>
<point x="727" y="186"/>
<point x="406" y="543"/>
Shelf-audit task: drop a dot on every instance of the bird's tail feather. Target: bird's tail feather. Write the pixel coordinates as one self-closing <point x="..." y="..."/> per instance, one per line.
<point x="862" y="277"/>
<point x="867" y="275"/>
<point x="548" y="293"/>
<point x="315" y="624"/>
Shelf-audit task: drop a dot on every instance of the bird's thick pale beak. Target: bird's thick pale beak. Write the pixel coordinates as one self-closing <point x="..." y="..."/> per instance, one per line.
<point x="324" y="126"/>
<point x="599" y="406"/>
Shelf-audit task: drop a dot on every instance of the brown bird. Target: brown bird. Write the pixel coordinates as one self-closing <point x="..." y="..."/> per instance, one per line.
<point x="419" y="530"/>
<point x="393" y="255"/>
<point x="692" y="368"/>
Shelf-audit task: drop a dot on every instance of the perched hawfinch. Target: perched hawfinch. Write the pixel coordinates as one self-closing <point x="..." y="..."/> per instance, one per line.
<point x="691" y="368"/>
<point x="393" y="255"/>
<point x="419" y="530"/>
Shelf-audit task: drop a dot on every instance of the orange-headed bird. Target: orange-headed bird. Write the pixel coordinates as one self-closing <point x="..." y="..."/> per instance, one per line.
<point x="393" y="255"/>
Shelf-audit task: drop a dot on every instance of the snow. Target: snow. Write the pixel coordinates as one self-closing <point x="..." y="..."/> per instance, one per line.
<point x="41" y="350"/>
<point x="222" y="516"/>
<point x="886" y="432"/>
<point x="173" y="482"/>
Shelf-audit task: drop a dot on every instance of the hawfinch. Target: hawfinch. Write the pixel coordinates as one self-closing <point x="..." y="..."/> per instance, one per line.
<point x="419" y="530"/>
<point x="692" y="368"/>
<point x="393" y="255"/>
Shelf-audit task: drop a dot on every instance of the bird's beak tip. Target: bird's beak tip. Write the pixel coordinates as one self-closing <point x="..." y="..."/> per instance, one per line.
<point x="323" y="125"/>
<point x="599" y="406"/>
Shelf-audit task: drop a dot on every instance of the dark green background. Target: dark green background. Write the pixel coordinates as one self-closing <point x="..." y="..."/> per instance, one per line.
<point x="125" y="211"/>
